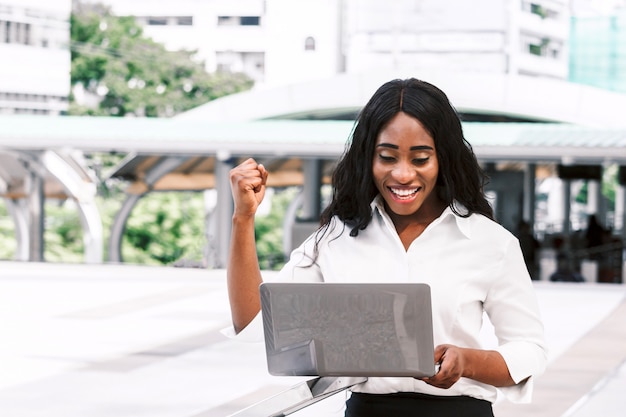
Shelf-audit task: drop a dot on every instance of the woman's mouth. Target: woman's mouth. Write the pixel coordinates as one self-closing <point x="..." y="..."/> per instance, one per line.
<point x="404" y="193"/>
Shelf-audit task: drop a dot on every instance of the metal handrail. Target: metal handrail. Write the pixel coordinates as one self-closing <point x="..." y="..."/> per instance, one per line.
<point x="299" y="396"/>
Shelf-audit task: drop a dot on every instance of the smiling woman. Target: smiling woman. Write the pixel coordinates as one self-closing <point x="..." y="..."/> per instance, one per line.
<point x="408" y="205"/>
<point x="405" y="170"/>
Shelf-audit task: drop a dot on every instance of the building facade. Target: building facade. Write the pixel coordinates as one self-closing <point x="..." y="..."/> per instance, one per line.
<point x="282" y="41"/>
<point x="34" y="56"/>
<point x="511" y="37"/>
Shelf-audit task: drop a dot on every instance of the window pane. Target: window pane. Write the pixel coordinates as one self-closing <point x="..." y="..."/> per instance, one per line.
<point x="249" y="20"/>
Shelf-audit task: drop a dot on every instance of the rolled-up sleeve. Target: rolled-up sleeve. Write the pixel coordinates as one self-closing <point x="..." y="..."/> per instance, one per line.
<point x="513" y="309"/>
<point x="252" y="333"/>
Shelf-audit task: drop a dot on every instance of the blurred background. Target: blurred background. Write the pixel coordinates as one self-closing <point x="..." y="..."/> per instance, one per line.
<point x="539" y="84"/>
<point x="120" y="119"/>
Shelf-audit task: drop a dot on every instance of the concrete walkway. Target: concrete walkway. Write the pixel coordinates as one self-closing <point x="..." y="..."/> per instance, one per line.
<point x="582" y="380"/>
<point x="128" y="341"/>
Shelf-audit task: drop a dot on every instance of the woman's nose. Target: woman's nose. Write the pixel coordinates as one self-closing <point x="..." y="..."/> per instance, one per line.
<point x="403" y="172"/>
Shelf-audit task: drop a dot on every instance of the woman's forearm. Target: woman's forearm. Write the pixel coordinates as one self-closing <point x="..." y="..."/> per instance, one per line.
<point x="487" y="366"/>
<point x="243" y="273"/>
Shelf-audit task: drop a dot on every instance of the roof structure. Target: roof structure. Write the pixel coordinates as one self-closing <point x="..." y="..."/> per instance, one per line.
<point x="288" y="127"/>
<point x="537" y="99"/>
<point x="295" y="138"/>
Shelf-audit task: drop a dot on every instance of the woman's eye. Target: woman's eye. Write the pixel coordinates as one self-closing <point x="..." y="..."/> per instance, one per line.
<point x="386" y="158"/>
<point x="420" y="161"/>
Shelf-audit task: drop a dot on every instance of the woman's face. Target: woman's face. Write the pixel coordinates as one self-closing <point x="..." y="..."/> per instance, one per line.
<point x="405" y="168"/>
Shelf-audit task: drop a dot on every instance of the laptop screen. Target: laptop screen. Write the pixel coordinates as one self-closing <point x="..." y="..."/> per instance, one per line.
<point x="341" y="329"/>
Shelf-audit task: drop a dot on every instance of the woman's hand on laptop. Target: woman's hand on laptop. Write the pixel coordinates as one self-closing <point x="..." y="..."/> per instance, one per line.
<point x="450" y="361"/>
<point x="487" y="366"/>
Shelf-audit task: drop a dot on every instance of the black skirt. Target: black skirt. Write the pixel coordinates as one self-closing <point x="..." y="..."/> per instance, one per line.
<point x="409" y="404"/>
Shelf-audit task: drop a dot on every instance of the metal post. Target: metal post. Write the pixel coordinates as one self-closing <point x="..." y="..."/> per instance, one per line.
<point x="119" y="225"/>
<point x="312" y="189"/>
<point x="594" y="194"/>
<point x="223" y="210"/>
<point x="70" y="173"/>
<point x="36" y="199"/>
<point x="620" y="210"/>
<point x="20" y="218"/>
<point x="529" y="194"/>
<point x="161" y="168"/>
<point x="567" y="202"/>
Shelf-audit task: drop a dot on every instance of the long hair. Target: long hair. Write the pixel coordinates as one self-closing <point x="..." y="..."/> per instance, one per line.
<point x="460" y="179"/>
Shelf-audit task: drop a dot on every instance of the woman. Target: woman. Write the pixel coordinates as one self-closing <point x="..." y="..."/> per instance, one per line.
<point x="408" y="205"/>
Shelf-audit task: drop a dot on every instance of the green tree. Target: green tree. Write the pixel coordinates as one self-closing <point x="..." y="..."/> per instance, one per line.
<point x="8" y="242"/>
<point x="130" y="74"/>
<point x="610" y="184"/>
<point x="268" y="230"/>
<point x="63" y="235"/>
<point x="166" y="227"/>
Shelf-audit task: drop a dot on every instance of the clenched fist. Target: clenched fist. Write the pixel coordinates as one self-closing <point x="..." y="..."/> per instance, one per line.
<point x="247" y="182"/>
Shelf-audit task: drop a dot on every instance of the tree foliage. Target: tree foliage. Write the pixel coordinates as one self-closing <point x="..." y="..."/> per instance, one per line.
<point x="126" y="73"/>
<point x="166" y="228"/>
<point x="268" y="230"/>
<point x="133" y="75"/>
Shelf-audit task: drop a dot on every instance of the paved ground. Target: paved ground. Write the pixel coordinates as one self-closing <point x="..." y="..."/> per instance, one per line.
<point x="125" y="341"/>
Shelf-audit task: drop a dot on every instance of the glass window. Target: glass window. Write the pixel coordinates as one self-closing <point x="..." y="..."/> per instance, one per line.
<point x="249" y="20"/>
<point x="184" y="20"/>
<point x="157" y="21"/>
<point x="226" y="21"/>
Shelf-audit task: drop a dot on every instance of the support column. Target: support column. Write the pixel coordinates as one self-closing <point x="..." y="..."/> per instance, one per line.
<point x="620" y="212"/>
<point x="223" y="211"/>
<point x="603" y="206"/>
<point x="296" y="230"/>
<point x="92" y="231"/>
<point x="35" y="207"/>
<point x="594" y="194"/>
<point x="78" y="186"/>
<point x="529" y="194"/>
<point x="312" y="190"/>
<point x="620" y="201"/>
<point x="567" y="203"/>
<point x="17" y="210"/>
<point x="118" y="227"/>
<point x="161" y="168"/>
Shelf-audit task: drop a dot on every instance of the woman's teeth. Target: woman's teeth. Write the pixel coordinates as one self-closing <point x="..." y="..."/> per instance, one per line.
<point x="403" y="192"/>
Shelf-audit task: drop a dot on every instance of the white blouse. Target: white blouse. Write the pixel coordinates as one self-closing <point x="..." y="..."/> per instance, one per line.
<point x="473" y="265"/>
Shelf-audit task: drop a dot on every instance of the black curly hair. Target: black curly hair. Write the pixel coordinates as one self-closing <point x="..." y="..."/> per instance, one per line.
<point x="460" y="179"/>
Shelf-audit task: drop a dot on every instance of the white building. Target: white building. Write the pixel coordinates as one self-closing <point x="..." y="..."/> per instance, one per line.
<point x="587" y="8"/>
<point x="227" y="35"/>
<point x="34" y="56"/>
<point x="489" y="36"/>
<point x="285" y="41"/>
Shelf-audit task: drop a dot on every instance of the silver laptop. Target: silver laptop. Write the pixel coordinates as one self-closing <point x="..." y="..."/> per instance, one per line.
<point x="340" y="329"/>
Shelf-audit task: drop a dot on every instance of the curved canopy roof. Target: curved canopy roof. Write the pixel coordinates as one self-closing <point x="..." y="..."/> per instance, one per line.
<point x="514" y="96"/>
<point x="297" y="138"/>
<point x="201" y="142"/>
